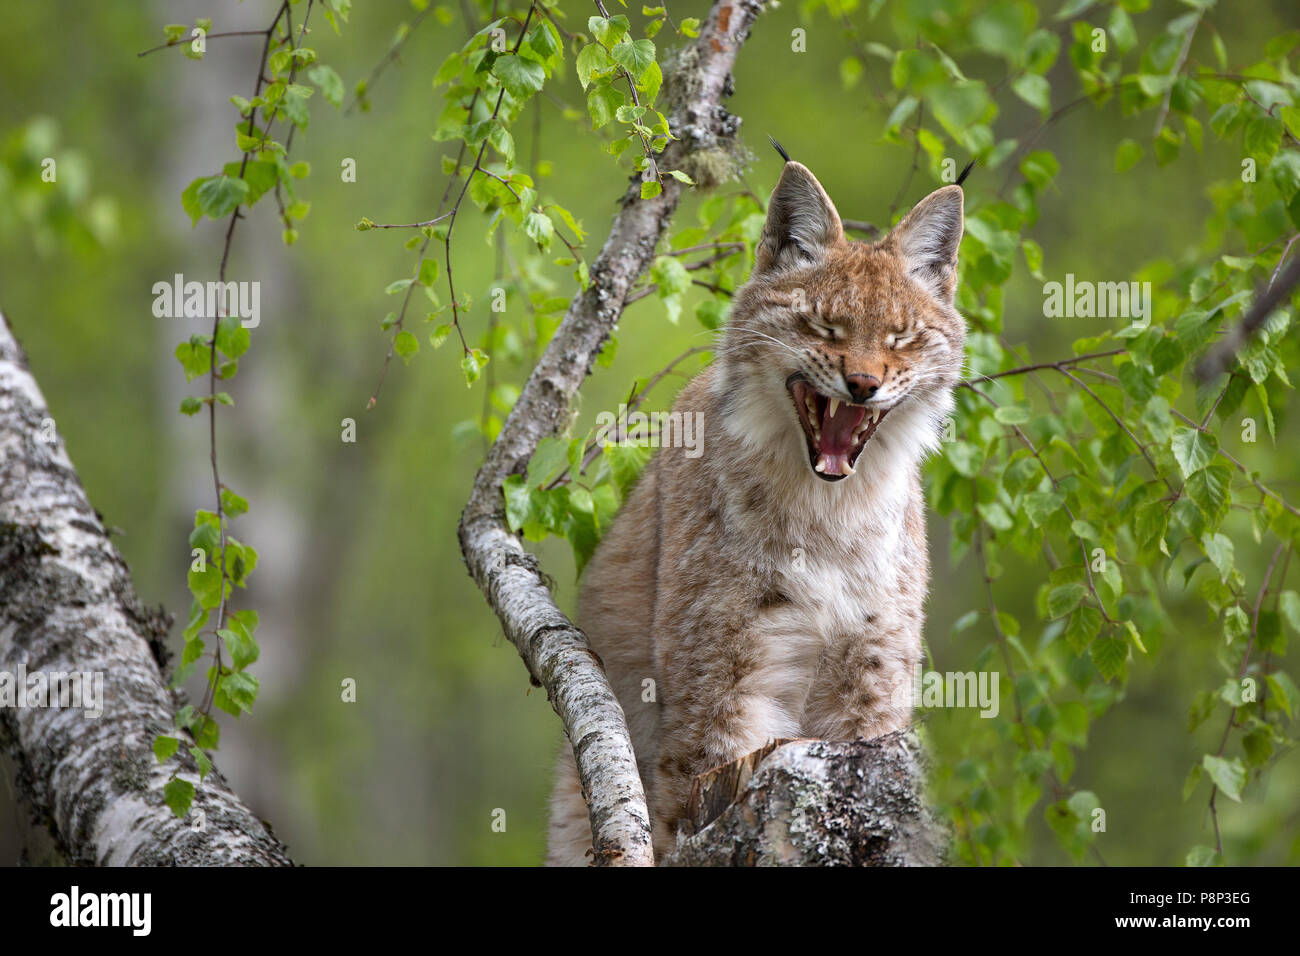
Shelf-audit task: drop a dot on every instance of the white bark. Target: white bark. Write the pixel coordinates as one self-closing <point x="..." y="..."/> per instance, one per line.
<point x="817" y="803"/>
<point x="555" y="651"/>
<point x="67" y="606"/>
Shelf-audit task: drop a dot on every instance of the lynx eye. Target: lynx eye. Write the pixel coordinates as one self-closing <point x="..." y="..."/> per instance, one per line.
<point x="898" y="340"/>
<point x="825" y="331"/>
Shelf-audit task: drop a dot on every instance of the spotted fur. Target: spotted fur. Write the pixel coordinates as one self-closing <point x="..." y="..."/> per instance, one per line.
<point x="739" y="597"/>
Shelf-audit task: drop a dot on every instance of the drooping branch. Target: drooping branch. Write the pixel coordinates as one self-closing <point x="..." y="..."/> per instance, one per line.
<point x="555" y="651"/>
<point x="69" y="608"/>
<point x="1278" y="290"/>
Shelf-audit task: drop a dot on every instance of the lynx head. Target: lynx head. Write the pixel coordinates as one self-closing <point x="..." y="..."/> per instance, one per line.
<point x="837" y="346"/>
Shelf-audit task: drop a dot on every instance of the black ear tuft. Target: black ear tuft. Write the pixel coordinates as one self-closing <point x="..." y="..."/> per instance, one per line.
<point x="965" y="172"/>
<point x="779" y="148"/>
<point x="801" y="222"/>
<point x="928" y="238"/>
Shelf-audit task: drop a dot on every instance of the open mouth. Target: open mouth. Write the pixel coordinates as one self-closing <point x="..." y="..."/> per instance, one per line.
<point x="834" y="430"/>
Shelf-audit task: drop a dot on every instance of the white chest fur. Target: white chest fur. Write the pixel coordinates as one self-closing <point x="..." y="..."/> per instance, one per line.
<point x="840" y="585"/>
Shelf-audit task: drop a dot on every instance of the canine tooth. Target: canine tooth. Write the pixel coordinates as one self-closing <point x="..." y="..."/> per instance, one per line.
<point x="833" y="406"/>
<point x="820" y="466"/>
<point x="848" y="469"/>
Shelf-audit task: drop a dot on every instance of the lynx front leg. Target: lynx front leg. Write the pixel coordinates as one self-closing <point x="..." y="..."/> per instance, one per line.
<point x="863" y="688"/>
<point x="714" y="717"/>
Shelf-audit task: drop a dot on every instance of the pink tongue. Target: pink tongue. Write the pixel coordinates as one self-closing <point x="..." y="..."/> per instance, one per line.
<point x="837" y="438"/>
<point x="837" y="429"/>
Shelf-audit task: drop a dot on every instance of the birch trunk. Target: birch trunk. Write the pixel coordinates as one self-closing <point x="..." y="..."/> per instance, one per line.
<point x="68" y="606"/>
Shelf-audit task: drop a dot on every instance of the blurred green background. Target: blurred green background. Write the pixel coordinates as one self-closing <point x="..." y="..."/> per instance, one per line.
<point x="360" y="574"/>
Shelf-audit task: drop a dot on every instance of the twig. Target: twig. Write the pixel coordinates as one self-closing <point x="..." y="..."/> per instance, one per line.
<point x="1173" y="74"/>
<point x="916" y="161"/>
<point x="389" y="58"/>
<point x="1033" y="450"/>
<point x="1232" y="716"/>
<point x="1218" y="359"/>
<point x="207" y="36"/>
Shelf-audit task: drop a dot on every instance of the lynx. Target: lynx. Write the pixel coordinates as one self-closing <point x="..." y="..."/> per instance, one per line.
<point x="775" y="586"/>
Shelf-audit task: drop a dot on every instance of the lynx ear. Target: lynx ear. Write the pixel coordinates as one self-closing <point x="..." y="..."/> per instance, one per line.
<point x="928" y="237"/>
<point x="801" y="222"/>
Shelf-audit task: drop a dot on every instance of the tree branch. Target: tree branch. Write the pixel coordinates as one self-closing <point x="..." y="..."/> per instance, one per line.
<point x="1219" y="358"/>
<point x="555" y="651"/>
<point x="815" y="803"/>
<point x="69" y="607"/>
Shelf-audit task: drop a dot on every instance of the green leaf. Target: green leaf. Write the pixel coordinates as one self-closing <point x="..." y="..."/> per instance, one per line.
<point x="1193" y="449"/>
<point x="190" y="200"/>
<point x="1284" y="689"/>
<point x="405" y="345"/>
<point x="164" y="747"/>
<point x="195" y="357"/>
<point x="179" y="796"/>
<point x="1202" y="856"/>
<point x="428" y="272"/>
<point x="221" y="195"/>
<point x="1041" y="505"/>
<point x="236" y="693"/>
<point x="957" y="105"/>
<point x="232" y="504"/>
<point x="1065" y="598"/>
<point x="1121" y="29"/>
<point x="206" y="537"/>
<point x="261" y="175"/>
<point x="1289" y="605"/>
<point x="1109" y="654"/>
<point x="472" y="364"/>
<point x="636" y="57"/>
<point x="1040" y="168"/>
<point x="593" y="60"/>
<point x="202" y="761"/>
<point x="1011" y="414"/>
<point x="1034" y="90"/>
<point x="1262" y="137"/>
<point x="608" y="31"/>
<point x="1208" y="488"/>
<point x="539" y="228"/>
<point x="603" y="102"/>
<point x="1127" y="153"/>
<point x="1084" y="625"/>
<point x="331" y="85"/>
<point x="232" y="338"/>
<point x="243" y="649"/>
<point x="521" y="77"/>
<point x="295" y="104"/>
<point x="1218" y="548"/>
<point x="1228" y="775"/>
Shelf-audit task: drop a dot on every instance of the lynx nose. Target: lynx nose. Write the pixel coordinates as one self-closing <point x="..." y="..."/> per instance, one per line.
<point x="861" y="386"/>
